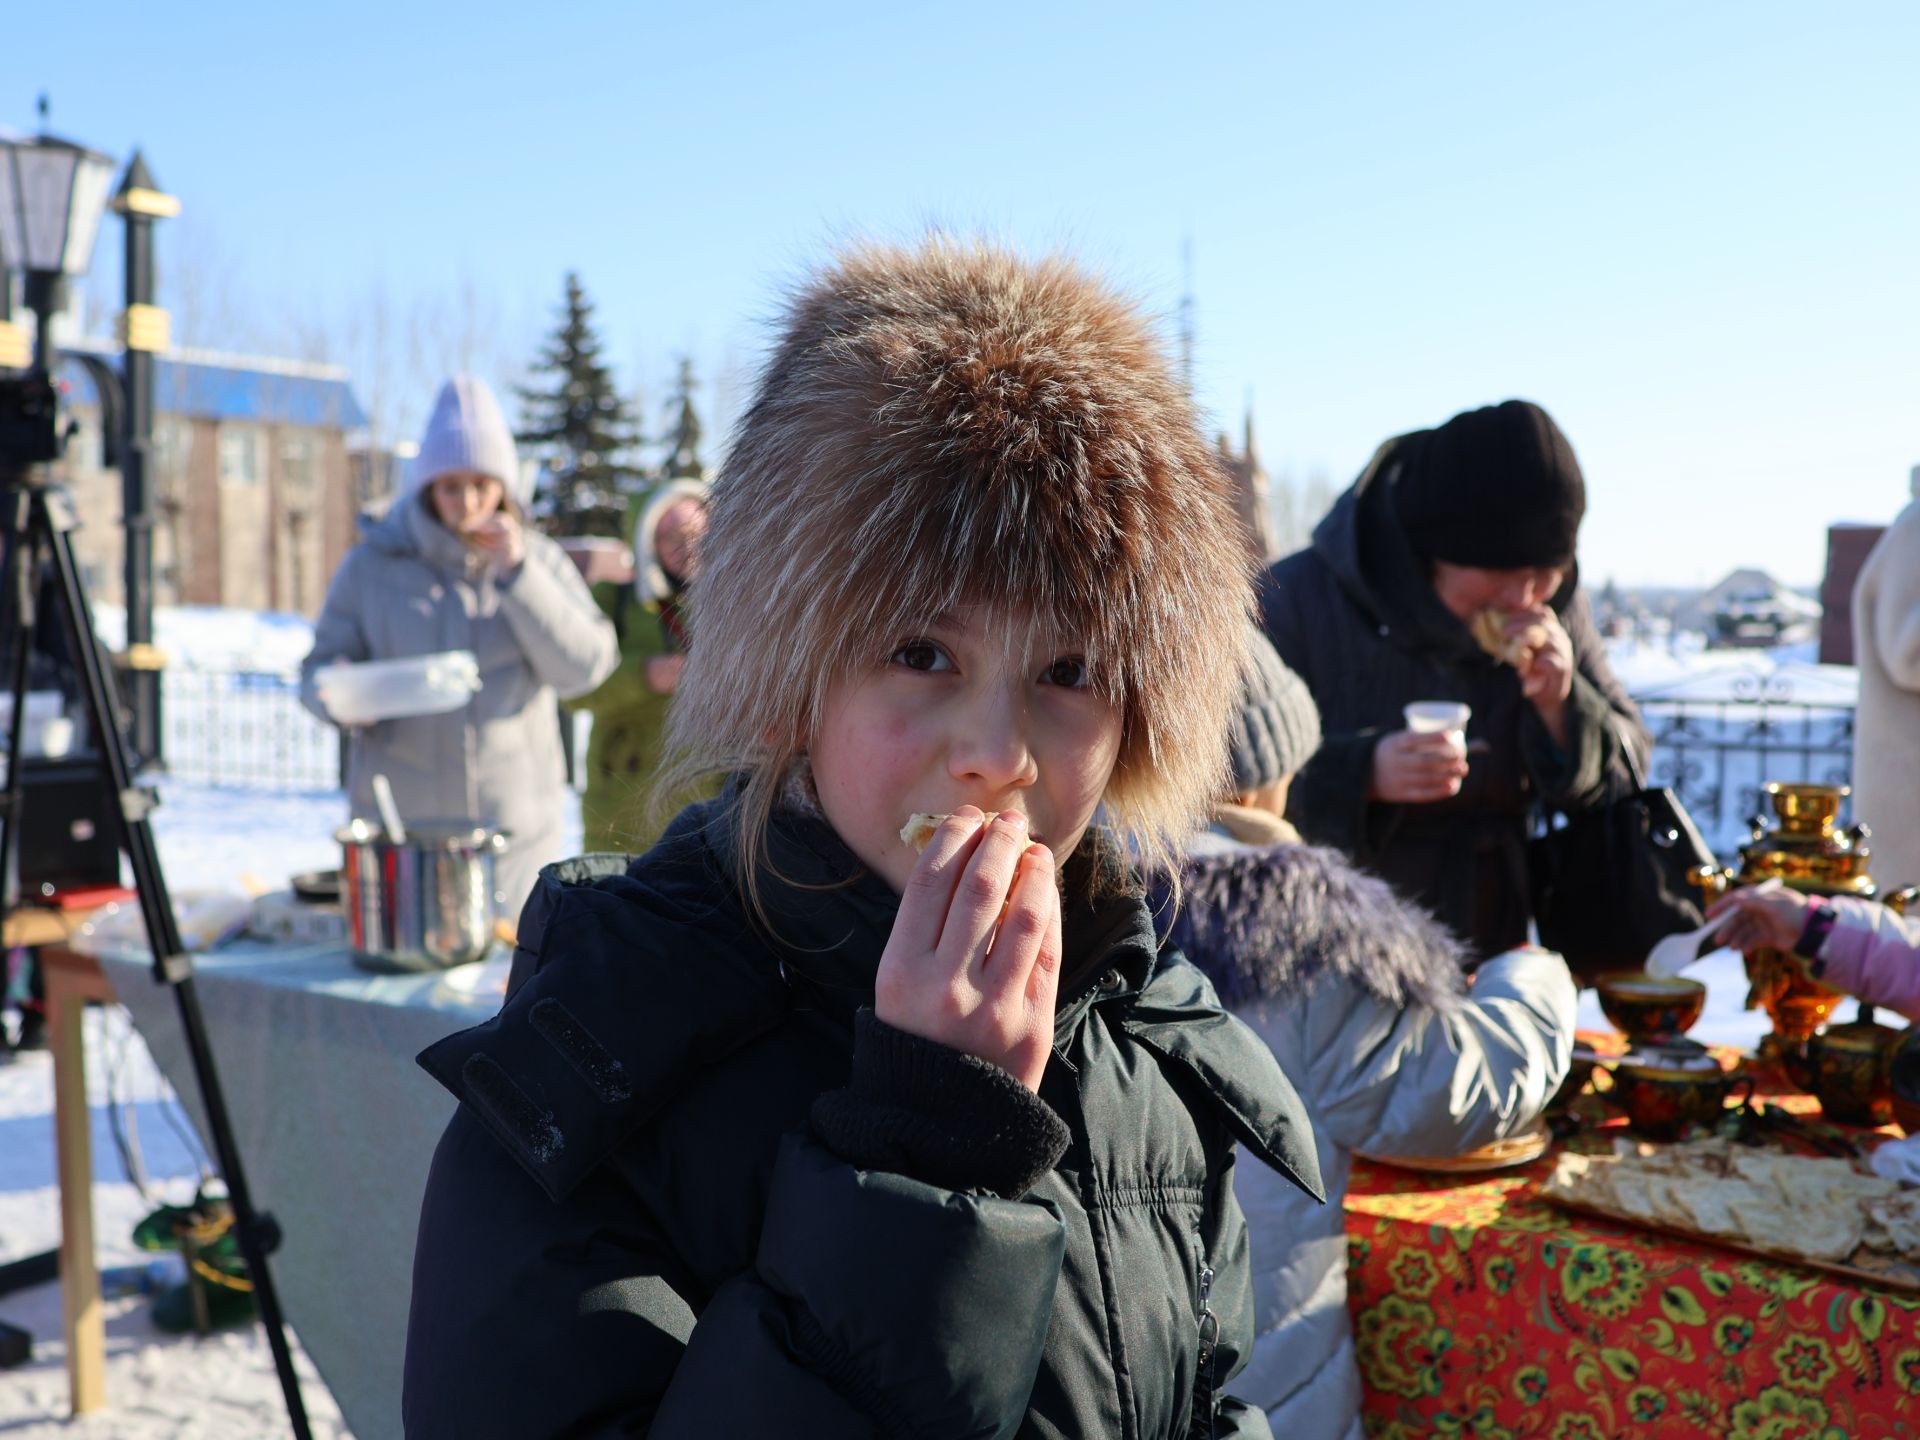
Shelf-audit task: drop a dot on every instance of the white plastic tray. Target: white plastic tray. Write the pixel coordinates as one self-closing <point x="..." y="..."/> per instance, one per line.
<point x="389" y="689"/>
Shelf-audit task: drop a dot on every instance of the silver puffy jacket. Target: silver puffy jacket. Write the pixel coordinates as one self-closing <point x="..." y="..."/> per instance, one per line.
<point x="410" y="588"/>
<point x="1360" y="997"/>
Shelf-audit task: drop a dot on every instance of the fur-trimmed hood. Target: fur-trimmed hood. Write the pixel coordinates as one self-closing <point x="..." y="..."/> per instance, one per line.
<point x="1266" y="921"/>
<point x="949" y="424"/>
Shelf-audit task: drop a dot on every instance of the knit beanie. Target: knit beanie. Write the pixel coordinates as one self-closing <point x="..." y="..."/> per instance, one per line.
<point x="1277" y="726"/>
<point x="1497" y="489"/>
<point x="467" y="431"/>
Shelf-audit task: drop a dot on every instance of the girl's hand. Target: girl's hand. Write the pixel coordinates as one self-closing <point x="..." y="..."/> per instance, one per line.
<point x="974" y="958"/>
<point x="1758" y="919"/>
<point x="1410" y="769"/>
<point x="500" y="536"/>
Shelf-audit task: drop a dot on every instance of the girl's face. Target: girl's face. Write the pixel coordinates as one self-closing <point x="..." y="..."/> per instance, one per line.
<point x="674" y="539"/>
<point x="953" y="718"/>
<point x="464" y="498"/>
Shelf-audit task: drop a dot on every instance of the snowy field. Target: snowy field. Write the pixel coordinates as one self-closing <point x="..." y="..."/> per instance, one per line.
<point x="215" y="840"/>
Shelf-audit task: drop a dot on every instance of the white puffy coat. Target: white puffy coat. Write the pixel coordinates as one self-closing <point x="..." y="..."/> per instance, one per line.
<point x="1361" y="997"/>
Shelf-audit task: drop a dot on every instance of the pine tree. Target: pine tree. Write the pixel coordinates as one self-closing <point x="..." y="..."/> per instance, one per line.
<point x="682" y="438"/>
<point x="579" y="428"/>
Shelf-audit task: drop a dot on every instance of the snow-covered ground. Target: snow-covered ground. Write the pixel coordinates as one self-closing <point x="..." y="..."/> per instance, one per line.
<point x="210" y="637"/>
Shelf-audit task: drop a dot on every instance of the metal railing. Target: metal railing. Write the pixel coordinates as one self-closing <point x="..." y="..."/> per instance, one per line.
<point x="246" y="729"/>
<point x="1718" y="754"/>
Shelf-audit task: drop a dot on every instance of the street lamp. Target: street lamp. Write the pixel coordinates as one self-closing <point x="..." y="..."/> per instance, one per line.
<point x="52" y="194"/>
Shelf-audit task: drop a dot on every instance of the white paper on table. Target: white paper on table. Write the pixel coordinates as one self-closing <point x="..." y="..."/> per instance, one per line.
<point x="1898" y="1160"/>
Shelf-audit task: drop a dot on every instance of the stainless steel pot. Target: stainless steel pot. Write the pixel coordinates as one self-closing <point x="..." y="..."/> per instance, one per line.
<point x="424" y="904"/>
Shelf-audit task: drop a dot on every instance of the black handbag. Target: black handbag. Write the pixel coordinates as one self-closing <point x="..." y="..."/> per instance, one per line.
<point x="1610" y="882"/>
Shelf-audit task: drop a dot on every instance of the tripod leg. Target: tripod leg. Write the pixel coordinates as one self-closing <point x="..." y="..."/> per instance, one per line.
<point x="255" y="1232"/>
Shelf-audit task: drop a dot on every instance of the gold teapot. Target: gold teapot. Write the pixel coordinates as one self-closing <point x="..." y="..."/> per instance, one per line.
<point x="1803" y="847"/>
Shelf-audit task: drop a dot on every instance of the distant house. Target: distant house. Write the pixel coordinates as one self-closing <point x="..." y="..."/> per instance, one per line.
<point x="1750" y="609"/>
<point x="254" y="492"/>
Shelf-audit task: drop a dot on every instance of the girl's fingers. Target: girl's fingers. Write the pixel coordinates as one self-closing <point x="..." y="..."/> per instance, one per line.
<point x="1032" y="905"/>
<point x="980" y="895"/>
<point x="1043" y="981"/>
<point x="930" y="888"/>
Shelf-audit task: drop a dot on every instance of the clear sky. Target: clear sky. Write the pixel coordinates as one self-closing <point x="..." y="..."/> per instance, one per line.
<point x="1689" y="230"/>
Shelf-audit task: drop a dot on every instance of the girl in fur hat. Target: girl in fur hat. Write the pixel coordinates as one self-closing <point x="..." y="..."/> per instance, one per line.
<point x="791" y="1128"/>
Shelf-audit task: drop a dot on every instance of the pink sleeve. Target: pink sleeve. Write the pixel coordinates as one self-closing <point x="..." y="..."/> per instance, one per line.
<point x="1881" y="967"/>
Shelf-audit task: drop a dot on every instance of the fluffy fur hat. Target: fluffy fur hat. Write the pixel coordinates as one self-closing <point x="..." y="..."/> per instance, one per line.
<point x="944" y="424"/>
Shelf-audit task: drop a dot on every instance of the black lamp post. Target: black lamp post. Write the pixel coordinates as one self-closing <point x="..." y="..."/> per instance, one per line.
<point x="52" y="195"/>
<point x="144" y="329"/>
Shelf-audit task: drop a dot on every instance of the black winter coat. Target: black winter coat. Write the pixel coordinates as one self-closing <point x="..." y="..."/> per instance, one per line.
<point x="640" y="1222"/>
<point x="1356" y="615"/>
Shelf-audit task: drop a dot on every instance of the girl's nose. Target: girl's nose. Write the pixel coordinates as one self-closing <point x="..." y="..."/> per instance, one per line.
<point x="989" y="747"/>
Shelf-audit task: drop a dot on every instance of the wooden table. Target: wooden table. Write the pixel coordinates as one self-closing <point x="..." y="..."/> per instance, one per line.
<point x="71" y="981"/>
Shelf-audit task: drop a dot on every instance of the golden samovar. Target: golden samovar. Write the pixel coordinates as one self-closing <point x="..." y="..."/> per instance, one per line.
<point x="1803" y="848"/>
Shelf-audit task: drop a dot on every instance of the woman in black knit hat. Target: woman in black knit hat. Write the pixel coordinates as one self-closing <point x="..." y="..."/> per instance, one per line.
<point x="1447" y="572"/>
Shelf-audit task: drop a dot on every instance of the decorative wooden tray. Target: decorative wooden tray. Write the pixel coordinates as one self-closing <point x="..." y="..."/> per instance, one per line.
<point x="1872" y="1266"/>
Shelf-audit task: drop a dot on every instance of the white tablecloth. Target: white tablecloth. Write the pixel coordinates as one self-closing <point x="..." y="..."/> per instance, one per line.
<point x="335" y="1125"/>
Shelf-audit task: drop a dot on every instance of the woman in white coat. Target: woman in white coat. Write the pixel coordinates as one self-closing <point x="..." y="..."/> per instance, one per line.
<point x="452" y="566"/>
<point x="1886" y="737"/>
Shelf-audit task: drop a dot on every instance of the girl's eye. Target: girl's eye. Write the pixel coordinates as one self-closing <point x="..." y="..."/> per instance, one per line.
<point x="1069" y="672"/>
<point x="922" y="655"/>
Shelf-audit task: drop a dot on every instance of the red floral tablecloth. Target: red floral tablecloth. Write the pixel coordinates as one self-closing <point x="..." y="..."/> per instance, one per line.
<point x="1481" y="1310"/>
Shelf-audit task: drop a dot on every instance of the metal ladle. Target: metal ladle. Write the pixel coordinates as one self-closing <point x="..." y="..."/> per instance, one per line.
<point x="389" y="812"/>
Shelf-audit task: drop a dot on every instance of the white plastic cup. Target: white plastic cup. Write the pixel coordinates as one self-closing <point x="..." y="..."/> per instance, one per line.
<point x="1440" y="717"/>
<point x="56" y="737"/>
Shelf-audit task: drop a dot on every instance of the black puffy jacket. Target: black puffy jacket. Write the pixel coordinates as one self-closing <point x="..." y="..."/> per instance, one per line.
<point x="633" y="1227"/>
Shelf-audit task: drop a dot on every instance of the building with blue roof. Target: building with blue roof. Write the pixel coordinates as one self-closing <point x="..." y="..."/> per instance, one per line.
<point x="252" y="469"/>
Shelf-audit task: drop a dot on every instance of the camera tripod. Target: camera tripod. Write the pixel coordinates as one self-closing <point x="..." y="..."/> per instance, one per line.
<point x="36" y="520"/>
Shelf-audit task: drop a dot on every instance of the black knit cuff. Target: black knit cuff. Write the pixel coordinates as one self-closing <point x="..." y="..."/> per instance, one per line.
<point x="918" y="1108"/>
